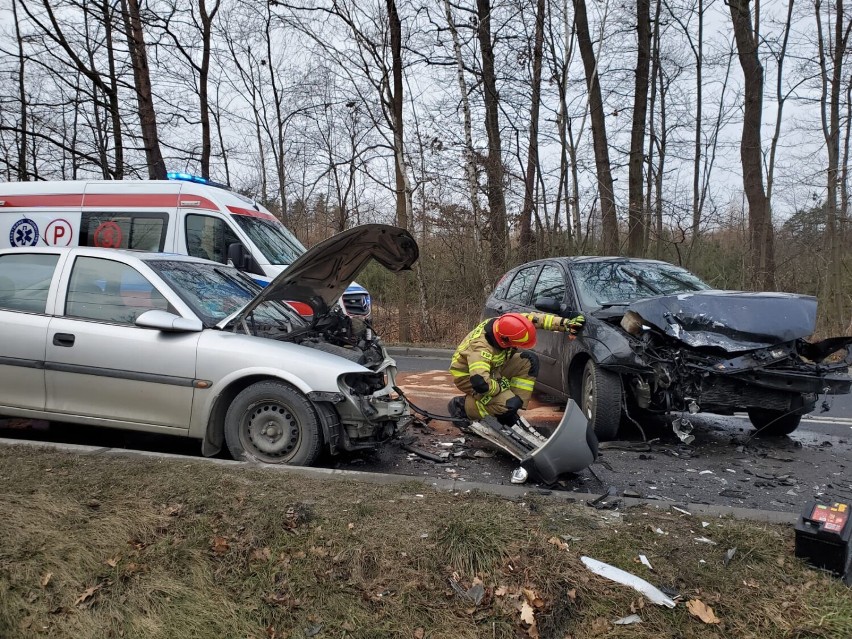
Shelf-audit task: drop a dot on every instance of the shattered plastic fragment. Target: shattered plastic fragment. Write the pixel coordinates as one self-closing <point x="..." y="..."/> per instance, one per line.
<point x="704" y="540"/>
<point x="519" y="475"/>
<point x="683" y="429"/>
<point x="626" y="621"/>
<point x="654" y="594"/>
<point x="645" y="562"/>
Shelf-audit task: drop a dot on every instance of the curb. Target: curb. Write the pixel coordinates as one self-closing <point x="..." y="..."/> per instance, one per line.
<point x="508" y="491"/>
<point x="415" y="351"/>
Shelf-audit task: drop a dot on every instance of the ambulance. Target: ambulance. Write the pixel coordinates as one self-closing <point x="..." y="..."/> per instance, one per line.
<point x="185" y="214"/>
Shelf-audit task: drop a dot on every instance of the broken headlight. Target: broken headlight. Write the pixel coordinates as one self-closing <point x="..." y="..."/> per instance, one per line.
<point x="364" y="383"/>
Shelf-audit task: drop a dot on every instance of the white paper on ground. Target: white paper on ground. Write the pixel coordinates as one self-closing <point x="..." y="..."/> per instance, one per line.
<point x="654" y="594"/>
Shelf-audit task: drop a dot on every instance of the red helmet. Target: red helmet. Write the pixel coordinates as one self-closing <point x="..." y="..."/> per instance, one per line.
<point x="514" y="330"/>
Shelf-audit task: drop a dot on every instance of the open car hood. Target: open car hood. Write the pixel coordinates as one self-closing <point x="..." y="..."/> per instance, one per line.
<point x="320" y="276"/>
<point x="734" y="321"/>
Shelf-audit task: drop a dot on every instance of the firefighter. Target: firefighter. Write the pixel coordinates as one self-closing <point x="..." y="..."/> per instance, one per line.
<point x="495" y="376"/>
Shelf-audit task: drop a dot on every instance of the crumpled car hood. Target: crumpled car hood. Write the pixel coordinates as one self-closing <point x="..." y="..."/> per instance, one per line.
<point x="734" y="321"/>
<point x="320" y="276"/>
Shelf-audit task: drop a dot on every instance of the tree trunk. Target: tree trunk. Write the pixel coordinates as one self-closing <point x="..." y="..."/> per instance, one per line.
<point x="699" y="104"/>
<point x="144" y="95"/>
<point x="751" y="153"/>
<point x="609" y="217"/>
<point x="532" y="149"/>
<point x="203" y="77"/>
<point x="114" y="105"/>
<point x="22" y="96"/>
<point x="402" y="197"/>
<point x="498" y="236"/>
<point x="636" y="208"/>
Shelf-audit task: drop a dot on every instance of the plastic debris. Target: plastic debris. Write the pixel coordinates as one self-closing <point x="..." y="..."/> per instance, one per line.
<point x="519" y="475"/>
<point x="683" y="429"/>
<point x="704" y="540"/>
<point x="729" y="555"/>
<point x="651" y="592"/>
<point x="681" y="510"/>
<point x="645" y="562"/>
<point x="626" y="621"/>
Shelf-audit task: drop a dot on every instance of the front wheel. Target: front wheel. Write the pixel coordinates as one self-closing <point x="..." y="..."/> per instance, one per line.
<point x="272" y="422"/>
<point x="773" y="423"/>
<point x="600" y="399"/>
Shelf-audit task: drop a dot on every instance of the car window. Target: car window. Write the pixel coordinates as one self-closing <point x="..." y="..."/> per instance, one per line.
<point x="208" y="237"/>
<point x="551" y="283"/>
<point x="519" y="289"/>
<point x="25" y="280"/>
<point x="139" y="231"/>
<point x="110" y="291"/>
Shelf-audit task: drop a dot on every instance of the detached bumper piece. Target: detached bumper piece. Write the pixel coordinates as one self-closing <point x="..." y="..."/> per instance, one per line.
<point x="571" y="448"/>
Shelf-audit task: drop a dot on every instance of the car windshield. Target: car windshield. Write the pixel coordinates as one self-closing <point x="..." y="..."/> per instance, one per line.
<point x="275" y="241"/>
<point x="614" y="283"/>
<point x="214" y="292"/>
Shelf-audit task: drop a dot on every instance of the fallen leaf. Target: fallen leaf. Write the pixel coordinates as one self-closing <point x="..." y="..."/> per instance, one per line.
<point x="133" y="567"/>
<point x="751" y="583"/>
<point x="556" y="541"/>
<point x="270" y="632"/>
<point x="220" y="545"/>
<point x="527" y="614"/>
<point x="636" y="606"/>
<point x="88" y="593"/>
<point x="112" y="562"/>
<point x="698" y="608"/>
<point x="419" y="633"/>
<point x="501" y="591"/>
<point x="572" y="594"/>
<point x="174" y="511"/>
<point x="600" y="626"/>
<point x="351" y="526"/>
<point x="318" y="551"/>
<point x="532" y="597"/>
<point x="260" y="554"/>
<point x="46" y="579"/>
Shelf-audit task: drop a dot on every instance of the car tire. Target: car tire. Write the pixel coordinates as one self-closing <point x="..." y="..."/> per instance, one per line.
<point x="774" y="423"/>
<point x="600" y="400"/>
<point x="272" y="422"/>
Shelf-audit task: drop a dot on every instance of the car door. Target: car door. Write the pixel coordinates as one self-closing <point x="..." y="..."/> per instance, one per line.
<point x="100" y="364"/>
<point x="517" y="295"/>
<point x="550" y="346"/>
<point x="26" y="281"/>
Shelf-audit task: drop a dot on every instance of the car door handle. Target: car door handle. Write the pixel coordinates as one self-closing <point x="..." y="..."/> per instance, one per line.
<point x="63" y="339"/>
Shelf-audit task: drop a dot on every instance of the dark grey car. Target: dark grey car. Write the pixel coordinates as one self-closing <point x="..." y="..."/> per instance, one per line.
<point x="659" y="340"/>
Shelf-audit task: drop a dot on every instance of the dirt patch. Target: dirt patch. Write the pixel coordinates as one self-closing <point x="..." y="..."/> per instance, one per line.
<point x="110" y="547"/>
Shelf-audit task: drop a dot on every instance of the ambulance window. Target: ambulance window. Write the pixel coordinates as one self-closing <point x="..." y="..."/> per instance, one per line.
<point x="25" y="280"/>
<point x="208" y="237"/>
<point x="139" y="231"/>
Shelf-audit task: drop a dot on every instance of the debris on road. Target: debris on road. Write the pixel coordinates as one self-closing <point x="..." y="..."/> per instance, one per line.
<point x="644" y="560"/>
<point x="704" y="540"/>
<point x="729" y="555"/>
<point x="682" y="427"/>
<point x="654" y="594"/>
<point x="626" y="621"/>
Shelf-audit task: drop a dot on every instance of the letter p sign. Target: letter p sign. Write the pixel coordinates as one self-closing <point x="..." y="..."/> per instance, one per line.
<point x="58" y="233"/>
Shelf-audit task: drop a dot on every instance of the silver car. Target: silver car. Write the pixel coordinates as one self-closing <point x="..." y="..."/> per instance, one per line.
<point x="173" y="344"/>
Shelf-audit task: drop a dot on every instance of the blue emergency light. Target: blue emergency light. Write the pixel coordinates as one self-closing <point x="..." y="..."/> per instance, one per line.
<point x="188" y="177"/>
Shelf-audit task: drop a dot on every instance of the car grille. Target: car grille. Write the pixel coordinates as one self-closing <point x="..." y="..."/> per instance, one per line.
<point x="724" y="392"/>
<point x="357" y="303"/>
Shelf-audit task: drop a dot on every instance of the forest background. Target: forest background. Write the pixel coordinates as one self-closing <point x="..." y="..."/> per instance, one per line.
<point x="714" y="134"/>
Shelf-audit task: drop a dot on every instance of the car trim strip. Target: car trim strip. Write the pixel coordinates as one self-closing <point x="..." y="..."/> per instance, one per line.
<point x="138" y="376"/>
<point x="23" y="363"/>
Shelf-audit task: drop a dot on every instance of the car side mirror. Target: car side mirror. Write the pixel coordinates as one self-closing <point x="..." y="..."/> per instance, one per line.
<point x="552" y="305"/>
<point x="169" y="322"/>
<point x="238" y="256"/>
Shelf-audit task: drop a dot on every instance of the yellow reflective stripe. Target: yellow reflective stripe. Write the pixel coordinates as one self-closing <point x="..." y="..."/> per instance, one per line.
<point x="523" y="384"/>
<point x="481" y="407"/>
<point x="456" y="373"/>
<point x="495" y="387"/>
<point x="548" y="322"/>
<point x="479" y="366"/>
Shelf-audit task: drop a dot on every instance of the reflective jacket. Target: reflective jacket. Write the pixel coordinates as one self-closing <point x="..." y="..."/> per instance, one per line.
<point x="477" y="356"/>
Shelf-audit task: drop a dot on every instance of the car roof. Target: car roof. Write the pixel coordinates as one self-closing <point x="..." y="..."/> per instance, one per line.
<point x="106" y="252"/>
<point x="583" y="259"/>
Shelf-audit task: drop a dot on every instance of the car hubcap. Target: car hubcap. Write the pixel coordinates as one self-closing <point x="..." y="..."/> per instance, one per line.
<point x="589" y="395"/>
<point x="272" y="430"/>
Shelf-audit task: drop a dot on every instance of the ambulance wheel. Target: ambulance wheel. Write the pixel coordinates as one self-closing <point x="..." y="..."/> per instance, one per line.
<point x="272" y="422"/>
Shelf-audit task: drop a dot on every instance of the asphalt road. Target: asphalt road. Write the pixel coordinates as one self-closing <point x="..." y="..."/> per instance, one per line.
<point x="723" y="466"/>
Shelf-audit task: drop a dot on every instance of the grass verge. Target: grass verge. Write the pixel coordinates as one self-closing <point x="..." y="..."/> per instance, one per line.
<point x="112" y="547"/>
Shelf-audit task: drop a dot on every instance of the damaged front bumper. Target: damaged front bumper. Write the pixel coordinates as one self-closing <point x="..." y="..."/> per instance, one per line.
<point x="571" y="448"/>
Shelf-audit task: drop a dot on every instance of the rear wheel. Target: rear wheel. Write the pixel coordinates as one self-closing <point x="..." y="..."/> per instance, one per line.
<point x="600" y="399"/>
<point x="777" y="423"/>
<point x="272" y="422"/>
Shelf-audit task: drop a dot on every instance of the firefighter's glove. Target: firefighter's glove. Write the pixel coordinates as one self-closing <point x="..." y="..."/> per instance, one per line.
<point x="504" y="383"/>
<point x="573" y="324"/>
<point x="479" y="384"/>
<point x="514" y="404"/>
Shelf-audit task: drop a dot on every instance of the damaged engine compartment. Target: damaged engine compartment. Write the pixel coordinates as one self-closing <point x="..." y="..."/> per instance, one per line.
<point x="683" y="360"/>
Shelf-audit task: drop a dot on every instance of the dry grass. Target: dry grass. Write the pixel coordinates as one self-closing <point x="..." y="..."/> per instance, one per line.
<point x="185" y="549"/>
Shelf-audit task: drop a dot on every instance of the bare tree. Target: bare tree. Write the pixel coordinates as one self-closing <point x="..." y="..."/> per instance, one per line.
<point x="144" y="96"/>
<point x="761" y="235"/>
<point x="636" y="213"/>
<point x="606" y="191"/>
